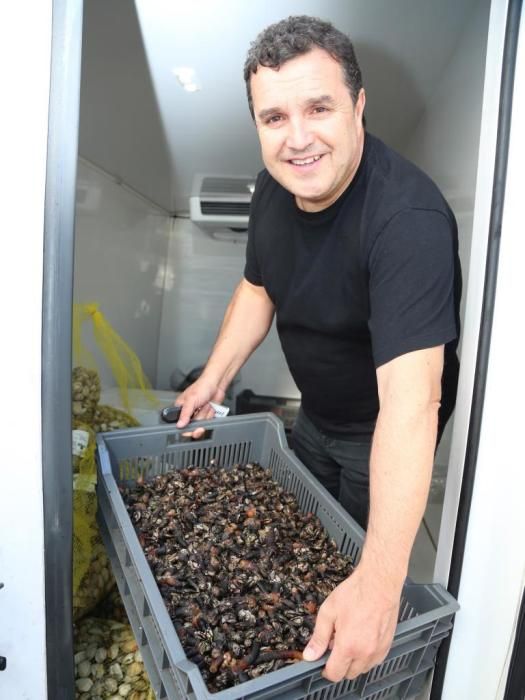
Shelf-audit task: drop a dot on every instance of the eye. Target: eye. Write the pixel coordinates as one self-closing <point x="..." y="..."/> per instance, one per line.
<point x="320" y="109"/>
<point x="274" y="119"/>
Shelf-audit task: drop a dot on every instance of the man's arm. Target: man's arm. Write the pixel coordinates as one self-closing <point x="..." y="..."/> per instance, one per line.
<point x="360" y="615"/>
<point x="246" y="323"/>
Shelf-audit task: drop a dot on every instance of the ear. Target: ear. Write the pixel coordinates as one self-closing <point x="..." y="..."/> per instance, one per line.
<point x="360" y="105"/>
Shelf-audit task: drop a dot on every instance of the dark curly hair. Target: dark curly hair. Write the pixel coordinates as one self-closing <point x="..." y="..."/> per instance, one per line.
<point x="295" y="36"/>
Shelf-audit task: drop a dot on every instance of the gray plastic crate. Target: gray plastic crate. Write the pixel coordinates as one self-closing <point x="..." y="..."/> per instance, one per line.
<point x="427" y="610"/>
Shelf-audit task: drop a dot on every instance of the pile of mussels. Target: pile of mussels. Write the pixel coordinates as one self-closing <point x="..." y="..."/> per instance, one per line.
<point x="241" y="569"/>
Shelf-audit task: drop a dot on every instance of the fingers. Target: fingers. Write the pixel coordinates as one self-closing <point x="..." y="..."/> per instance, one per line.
<point x="195" y="402"/>
<point x="204" y="413"/>
<point x="196" y="434"/>
<point x="188" y="409"/>
<point x="191" y="410"/>
<point x="339" y="663"/>
<point x="348" y="660"/>
<point x="362" y="624"/>
<point x="323" y="632"/>
<point x="356" y="668"/>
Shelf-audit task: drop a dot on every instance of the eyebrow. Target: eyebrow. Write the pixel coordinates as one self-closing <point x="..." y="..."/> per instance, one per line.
<point x="322" y="99"/>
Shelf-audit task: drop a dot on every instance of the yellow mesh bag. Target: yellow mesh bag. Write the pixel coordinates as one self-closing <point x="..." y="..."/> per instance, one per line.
<point x="84" y="501"/>
<point x="92" y="577"/>
<point x="123" y="362"/>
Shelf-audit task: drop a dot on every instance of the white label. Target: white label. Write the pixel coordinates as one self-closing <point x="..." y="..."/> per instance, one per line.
<point x="80" y="440"/>
<point x="220" y="410"/>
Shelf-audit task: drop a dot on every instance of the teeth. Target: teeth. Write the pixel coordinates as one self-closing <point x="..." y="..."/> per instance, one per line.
<point x="305" y="161"/>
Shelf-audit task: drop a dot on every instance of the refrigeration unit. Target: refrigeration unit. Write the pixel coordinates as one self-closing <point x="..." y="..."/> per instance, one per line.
<point x="221" y="203"/>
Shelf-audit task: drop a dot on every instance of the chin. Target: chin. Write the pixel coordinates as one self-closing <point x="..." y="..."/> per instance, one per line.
<point x="300" y="188"/>
<point x="297" y="187"/>
<point x="309" y="195"/>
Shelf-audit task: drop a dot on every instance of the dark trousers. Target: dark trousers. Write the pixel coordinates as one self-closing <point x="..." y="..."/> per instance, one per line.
<point x="340" y="465"/>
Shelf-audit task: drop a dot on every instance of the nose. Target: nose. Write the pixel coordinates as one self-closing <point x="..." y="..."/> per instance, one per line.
<point x="299" y="137"/>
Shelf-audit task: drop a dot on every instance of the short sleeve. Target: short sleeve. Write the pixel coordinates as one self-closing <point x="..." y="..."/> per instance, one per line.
<point x="252" y="270"/>
<point x="411" y="284"/>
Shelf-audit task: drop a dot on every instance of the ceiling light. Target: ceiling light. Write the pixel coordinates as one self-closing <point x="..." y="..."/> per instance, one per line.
<point x="187" y="78"/>
<point x="184" y="75"/>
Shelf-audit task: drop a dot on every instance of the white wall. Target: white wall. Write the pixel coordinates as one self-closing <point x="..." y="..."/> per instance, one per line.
<point x="23" y="144"/>
<point x="445" y="142"/>
<point x="202" y="274"/>
<point x="121" y="244"/>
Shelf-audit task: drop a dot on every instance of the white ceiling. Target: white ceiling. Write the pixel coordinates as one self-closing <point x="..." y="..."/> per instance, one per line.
<point x="139" y="124"/>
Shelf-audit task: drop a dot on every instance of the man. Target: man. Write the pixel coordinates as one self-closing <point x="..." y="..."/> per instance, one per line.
<point x="355" y="252"/>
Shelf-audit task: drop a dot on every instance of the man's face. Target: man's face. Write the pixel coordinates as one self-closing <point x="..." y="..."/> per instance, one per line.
<point x="311" y="133"/>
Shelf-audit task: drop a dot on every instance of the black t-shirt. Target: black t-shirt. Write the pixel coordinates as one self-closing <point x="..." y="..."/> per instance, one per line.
<point x="372" y="277"/>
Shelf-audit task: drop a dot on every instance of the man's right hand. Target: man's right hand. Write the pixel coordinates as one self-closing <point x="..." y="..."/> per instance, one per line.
<point x="195" y="402"/>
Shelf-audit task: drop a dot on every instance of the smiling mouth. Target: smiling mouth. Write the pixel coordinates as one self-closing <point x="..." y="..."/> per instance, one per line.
<point x="305" y="161"/>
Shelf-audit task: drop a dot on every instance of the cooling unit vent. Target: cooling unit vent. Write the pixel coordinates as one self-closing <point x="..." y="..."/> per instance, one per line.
<point x="225" y="208"/>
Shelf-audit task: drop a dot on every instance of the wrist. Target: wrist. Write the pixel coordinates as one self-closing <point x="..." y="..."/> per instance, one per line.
<point x="383" y="569"/>
<point x="210" y="378"/>
<point x="217" y="378"/>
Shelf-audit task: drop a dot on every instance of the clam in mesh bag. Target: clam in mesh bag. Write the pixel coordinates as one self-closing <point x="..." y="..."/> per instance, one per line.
<point x="108" y="663"/>
<point x="92" y="577"/>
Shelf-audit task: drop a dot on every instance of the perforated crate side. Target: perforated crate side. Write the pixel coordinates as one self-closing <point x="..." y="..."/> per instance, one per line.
<point x="158" y="684"/>
<point x="136" y="599"/>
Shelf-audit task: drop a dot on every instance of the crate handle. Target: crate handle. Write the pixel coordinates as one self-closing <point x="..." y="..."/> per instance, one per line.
<point x="178" y="438"/>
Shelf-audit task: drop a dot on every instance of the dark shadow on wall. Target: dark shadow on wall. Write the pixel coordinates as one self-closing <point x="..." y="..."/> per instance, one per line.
<point x="121" y="129"/>
<point x="394" y="103"/>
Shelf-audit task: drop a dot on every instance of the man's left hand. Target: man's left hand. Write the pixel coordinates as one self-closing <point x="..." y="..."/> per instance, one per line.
<point x="357" y="621"/>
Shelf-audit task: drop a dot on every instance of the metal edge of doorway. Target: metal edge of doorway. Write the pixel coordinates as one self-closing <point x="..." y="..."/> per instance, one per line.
<point x="487" y="313"/>
<point x="62" y="151"/>
<point x="516" y="678"/>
